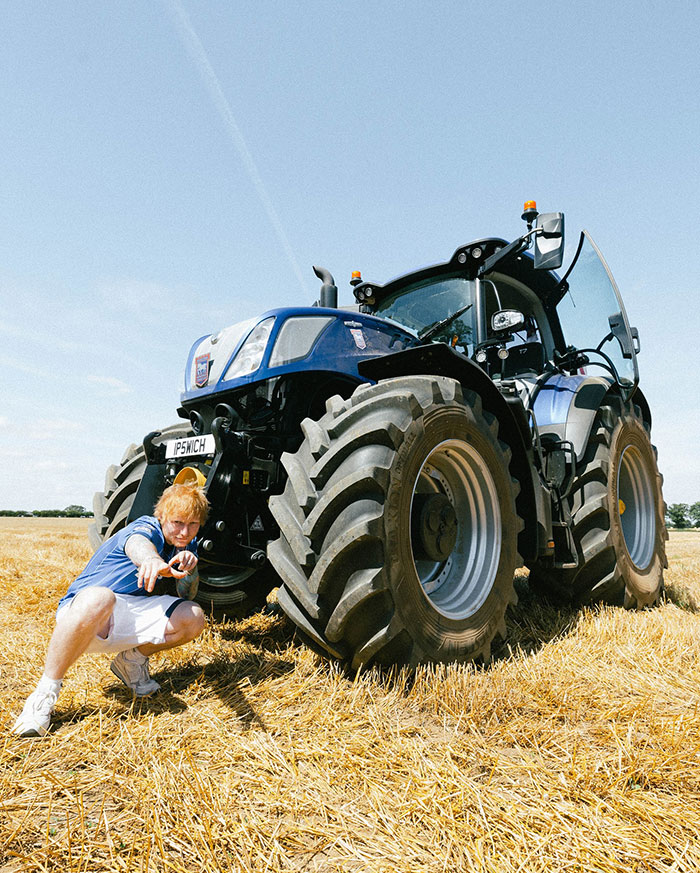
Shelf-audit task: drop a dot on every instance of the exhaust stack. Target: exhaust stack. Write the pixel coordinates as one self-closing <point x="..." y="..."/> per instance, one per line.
<point x="329" y="291"/>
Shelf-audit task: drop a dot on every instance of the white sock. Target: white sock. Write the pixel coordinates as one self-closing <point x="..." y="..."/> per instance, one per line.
<point x="53" y="685"/>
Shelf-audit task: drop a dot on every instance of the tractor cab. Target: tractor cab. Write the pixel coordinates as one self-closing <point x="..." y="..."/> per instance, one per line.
<point x="506" y="308"/>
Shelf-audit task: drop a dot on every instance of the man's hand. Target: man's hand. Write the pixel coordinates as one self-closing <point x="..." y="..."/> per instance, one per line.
<point x="154" y="566"/>
<point x="149" y="571"/>
<point x="186" y="562"/>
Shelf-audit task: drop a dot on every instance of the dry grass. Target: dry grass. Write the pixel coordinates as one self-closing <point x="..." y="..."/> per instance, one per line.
<point x="577" y="749"/>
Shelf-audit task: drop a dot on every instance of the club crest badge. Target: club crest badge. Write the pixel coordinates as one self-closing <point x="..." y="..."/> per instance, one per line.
<point x="359" y="338"/>
<point x="201" y="370"/>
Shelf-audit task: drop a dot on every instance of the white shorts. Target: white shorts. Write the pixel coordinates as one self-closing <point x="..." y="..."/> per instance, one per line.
<point x="134" y="622"/>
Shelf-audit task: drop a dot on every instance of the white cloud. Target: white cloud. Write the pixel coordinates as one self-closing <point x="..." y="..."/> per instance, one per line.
<point x="52" y="429"/>
<point x="134" y="295"/>
<point x="22" y="455"/>
<point x="57" y="424"/>
<point x="116" y="386"/>
<point x="27" y="344"/>
<point x="51" y="465"/>
<point x="36" y="338"/>
<point x="679" y="461"/>
<point x="13" y="364"/>
<point x="18" y="440"/>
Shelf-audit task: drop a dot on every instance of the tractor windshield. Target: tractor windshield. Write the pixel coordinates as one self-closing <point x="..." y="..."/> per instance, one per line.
<point x="423" y="306"/>
<point x="593" y="317"/>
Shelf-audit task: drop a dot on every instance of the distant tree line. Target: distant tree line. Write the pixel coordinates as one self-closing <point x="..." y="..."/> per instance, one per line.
<point x="683" y="515"/>
<point x="72" y="511"/>
<point x="678" y="515"/>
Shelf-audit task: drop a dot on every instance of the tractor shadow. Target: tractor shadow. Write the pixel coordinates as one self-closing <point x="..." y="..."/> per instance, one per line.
<point x="269" y="630"/>
<point x="537" y="619"/>
<point x="681" y="595"/>
<point x="534" y="622"/>
<point x="531" y="624"/>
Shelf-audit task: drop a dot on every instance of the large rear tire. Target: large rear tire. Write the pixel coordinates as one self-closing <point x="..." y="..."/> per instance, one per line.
<point x="398" y="526"/>
<point x="223" y="590"/>
<point x="617" y="510"/>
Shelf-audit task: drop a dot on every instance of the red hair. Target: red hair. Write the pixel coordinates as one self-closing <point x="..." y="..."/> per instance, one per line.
<point x="182" y="502"/>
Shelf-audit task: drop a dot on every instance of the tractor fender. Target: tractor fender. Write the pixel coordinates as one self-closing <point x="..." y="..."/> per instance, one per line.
<point x="641" y="401"/>
<point x="439" y="359"/>
<point x="565" y="407"/>
<point x="150" y="488"/>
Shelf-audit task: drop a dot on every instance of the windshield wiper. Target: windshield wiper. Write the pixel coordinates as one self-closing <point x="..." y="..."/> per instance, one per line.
<point x="436" y="328"/>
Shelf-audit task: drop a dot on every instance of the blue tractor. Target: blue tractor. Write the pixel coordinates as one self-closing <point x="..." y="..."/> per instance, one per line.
<point x="388" y="466"/>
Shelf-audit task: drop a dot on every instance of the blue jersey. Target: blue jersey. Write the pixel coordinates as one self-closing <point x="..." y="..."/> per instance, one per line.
<point x="111" y="567"/>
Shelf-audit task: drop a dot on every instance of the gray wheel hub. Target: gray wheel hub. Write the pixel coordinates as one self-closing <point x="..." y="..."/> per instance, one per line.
<point x="455" y="529"/>
<point x="637" y="507"/>
<point x="436" y="527"/>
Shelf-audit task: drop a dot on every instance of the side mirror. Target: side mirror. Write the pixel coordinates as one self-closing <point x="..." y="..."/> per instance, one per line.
<point x="507" y="320"/>
<point x="549" y="241"/>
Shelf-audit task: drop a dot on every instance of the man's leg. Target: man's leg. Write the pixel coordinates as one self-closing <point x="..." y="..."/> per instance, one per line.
<point x="76" y="626"/>
<point x="185" y="623"/>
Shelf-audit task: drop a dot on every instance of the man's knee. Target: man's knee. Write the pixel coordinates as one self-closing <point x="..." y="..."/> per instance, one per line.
<point x="93" y="604"/>
<point x="188" y="619"/>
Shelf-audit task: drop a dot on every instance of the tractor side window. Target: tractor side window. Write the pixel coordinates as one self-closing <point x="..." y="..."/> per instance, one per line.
<point x="593" y="317"/>
<point x="502" y="293"/>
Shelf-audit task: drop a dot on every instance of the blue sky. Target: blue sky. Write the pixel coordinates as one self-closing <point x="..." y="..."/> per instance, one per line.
<point x="172" y="167"/>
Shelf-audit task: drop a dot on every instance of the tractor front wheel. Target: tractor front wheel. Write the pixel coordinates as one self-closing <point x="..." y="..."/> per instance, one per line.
<point x="398" y="526"/>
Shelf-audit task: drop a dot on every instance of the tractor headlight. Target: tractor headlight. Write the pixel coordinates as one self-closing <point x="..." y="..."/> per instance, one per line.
<point x="250" y="355"/>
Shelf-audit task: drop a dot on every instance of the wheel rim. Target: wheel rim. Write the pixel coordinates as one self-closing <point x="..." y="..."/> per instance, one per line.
<point x="220" y="585"/>
<point x="636" y="507"/>
<point x="456" y="570"/>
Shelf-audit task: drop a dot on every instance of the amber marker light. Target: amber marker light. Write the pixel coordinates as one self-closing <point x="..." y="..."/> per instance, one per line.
<point x="529" y="213"/>
<point x="356" y="277"/>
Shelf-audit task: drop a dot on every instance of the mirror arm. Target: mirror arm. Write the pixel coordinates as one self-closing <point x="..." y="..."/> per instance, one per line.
<point x="511" y="249"/>
<point x="635" y="340"/>
<point x="619" y="331"/>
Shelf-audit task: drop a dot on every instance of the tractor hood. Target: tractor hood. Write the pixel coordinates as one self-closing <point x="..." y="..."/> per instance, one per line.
<point x="288" y="340"/>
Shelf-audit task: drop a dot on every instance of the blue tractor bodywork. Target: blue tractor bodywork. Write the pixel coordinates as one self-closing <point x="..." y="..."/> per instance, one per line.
<point x="338" y="341"/>
<point x="543" y="353"/>
<point x="235" y="379"/>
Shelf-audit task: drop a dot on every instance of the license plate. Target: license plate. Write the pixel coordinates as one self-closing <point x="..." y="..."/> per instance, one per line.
<point x="187" y="446"/>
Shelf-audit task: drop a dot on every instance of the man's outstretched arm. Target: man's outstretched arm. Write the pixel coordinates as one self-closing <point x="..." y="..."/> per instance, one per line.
<point x="141" y="551"/>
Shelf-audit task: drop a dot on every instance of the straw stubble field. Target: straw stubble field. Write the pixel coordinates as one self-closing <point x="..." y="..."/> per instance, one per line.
<point x="576" y="749"/>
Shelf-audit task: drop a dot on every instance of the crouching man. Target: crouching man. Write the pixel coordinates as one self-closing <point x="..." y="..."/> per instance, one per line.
<point x="112" y="606"/>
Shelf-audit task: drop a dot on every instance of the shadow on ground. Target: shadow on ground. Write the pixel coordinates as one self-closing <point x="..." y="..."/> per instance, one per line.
<point x="534" y="621"/>
<point x="682" y="596"/>
<point x="229" y="677"/>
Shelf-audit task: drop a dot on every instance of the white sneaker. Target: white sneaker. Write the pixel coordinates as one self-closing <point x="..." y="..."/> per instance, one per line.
<point x="132" y="668"/>
<point x="35" y="718"/>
